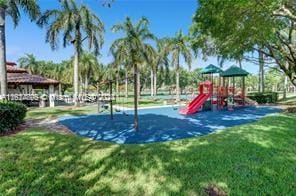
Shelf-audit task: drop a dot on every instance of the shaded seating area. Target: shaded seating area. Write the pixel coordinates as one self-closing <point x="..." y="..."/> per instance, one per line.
<point x="20" y="81"/>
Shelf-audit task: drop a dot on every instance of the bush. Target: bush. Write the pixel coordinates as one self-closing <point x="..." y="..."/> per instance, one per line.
<point x="207" y="106"/>
<point x="262" y="98"/>
<point x="12" y="115"/>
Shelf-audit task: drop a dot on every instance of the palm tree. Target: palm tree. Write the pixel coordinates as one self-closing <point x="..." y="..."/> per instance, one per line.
<point x="30" y="63"/>
<point x="73" y="21"/>
<point x="159" y="60"/>
<point x="134" y="44"/>
<point x="121" y="58"/>
<point x="179" y="47"/>
<point x="12" y="8"/>
<point x="89" y="65"/>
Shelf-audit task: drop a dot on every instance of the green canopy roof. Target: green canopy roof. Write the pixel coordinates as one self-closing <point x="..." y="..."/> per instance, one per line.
<point x="211" y="69"/>
<point x="234" y="71"/>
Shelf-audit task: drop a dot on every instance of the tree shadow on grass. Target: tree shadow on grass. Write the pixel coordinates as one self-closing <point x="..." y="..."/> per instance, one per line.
<point x="288" y="101"/>
<point x="54" y="113"/>
<point x="254" y="159"/>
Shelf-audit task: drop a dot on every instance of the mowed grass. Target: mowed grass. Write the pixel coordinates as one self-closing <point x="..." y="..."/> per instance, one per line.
<point x="289" y="101"/>
<point x="253" y="159"/>
<point x="144" y="102"/>
<point x="41" y="113"/>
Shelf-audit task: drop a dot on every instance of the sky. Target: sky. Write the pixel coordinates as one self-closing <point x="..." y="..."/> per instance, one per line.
<point x="166" y="18"/>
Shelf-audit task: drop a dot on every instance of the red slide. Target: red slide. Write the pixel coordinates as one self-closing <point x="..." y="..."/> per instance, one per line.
<point x="198" y="101"/>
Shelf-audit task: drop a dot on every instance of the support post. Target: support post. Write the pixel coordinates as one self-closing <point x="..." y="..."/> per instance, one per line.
<point x="51" y="96"/>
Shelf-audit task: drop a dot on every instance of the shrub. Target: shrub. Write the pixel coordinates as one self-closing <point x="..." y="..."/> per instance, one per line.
<point x="207" y="106"/>
<point x="262" y="98"/>
<point x="12" y="115"/>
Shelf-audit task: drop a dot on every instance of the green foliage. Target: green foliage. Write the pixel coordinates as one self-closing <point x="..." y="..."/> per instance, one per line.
<point x="266" y="97"/>
<point x="232" y="29"/>
<point x="274" y="80"/>
<point x="3" y="3"/>
<point x="179" y="48"/>
<point x="253" y="159"/>
<point x="132" y="49"/>
<point x="252" y="82"/>
<point x="12" y="115"/>
<point x="70" y="22"/>
<point x="13" y="9"/>
<point x="207" y="106"/>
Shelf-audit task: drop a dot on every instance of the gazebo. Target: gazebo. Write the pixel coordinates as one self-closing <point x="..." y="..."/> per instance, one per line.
<point x="21" y="82"/>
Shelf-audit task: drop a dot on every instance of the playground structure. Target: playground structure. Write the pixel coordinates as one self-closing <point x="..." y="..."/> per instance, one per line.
<point x="219" y="92"/>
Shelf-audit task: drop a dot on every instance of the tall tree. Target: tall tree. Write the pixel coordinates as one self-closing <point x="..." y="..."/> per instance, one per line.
<point x="121" y="58"/>
<point x="242" y="27"/>
<point x="89" y="66"/>
<point x="12" y="8"/>
<point x="261" y="72"/>
<point x="134" y="42"/>
<point x="159" y="59"/>
<point x="76" y="23"/>
<point x="179" y="48"/>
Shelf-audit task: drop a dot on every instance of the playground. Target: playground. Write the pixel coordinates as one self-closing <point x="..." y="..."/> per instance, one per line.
<point x="108" y="97"/>
<point x="220" y="103"/>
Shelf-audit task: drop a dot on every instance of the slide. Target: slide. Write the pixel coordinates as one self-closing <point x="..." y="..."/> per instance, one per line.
<point x="198" y="101"/>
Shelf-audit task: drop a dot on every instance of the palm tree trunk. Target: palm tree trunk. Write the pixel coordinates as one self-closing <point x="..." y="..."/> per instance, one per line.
<point x="86" y="83"/>
<point x="155" y="83"/>
<point x="177" y="85"/>
<point x="139" y="84"/>
<point x="177" y="82"/>
<point x="76" y="78"/>
<point x="126" y="84"/>
<point x="261" y="72"/>
<point x="3" y="73"/>
<point x="117" y="84"/>
<point x="136" y="97"/>
<point x="152" y="83"/>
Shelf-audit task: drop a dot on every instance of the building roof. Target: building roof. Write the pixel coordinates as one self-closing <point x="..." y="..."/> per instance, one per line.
<point x="16" y="75"/>
<point x="26" y="78"/>
<point x="12" y="68"/>
<point x="211" y="69"/>
<point x="234" y="71"/>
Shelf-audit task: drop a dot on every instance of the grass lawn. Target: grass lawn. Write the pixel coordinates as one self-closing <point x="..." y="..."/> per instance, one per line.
<point x="144" y="102"/>
<point x="289" y="101"/>
<point x="253" y="159"/>
<point x="41" y="113"/>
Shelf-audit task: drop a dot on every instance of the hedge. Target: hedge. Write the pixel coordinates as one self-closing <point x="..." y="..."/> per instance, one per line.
<point x="12" y="115"/>
<point x="262" y="98"/>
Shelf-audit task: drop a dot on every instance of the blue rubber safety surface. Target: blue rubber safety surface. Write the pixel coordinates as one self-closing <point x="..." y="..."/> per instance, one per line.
<point x="160" y="124"/>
